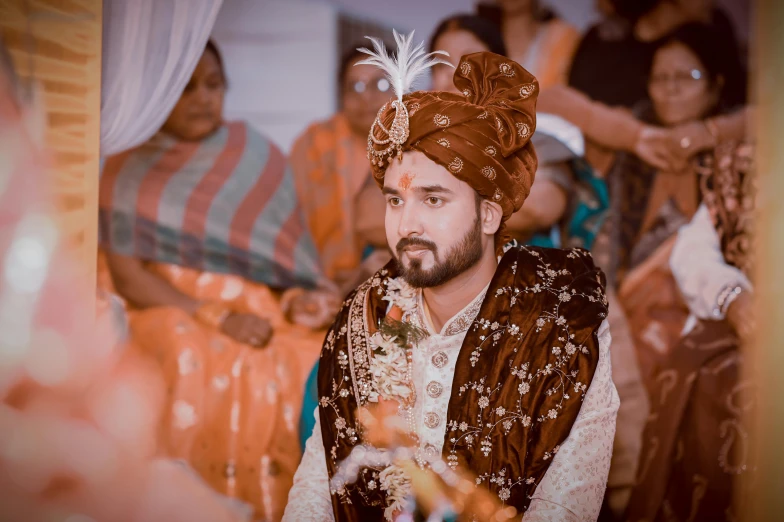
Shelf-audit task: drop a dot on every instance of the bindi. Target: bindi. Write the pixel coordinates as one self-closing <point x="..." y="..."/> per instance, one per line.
<point x="405" y="181"/>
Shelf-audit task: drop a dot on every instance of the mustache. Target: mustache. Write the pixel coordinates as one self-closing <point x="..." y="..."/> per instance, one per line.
<point x="414" y="241"/>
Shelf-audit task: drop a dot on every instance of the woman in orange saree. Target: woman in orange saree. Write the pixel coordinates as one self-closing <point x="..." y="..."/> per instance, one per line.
<point x="205" y="239"/>
<point x="340" y="201"/>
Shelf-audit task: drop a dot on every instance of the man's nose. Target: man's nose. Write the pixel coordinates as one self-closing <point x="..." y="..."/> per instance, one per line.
<point x="410" y="223"/>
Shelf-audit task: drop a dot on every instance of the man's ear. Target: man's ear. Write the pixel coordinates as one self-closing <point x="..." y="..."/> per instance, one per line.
<point x="490" y="216"/>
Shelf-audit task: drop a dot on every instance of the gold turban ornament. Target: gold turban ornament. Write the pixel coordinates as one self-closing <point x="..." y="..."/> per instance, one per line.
<point x="401" y="71"/>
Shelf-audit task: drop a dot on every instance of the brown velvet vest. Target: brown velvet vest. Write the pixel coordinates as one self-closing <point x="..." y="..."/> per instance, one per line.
<point x="522" y="372"/>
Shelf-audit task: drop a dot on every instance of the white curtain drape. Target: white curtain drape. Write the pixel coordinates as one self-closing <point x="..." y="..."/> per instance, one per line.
<point x="150" y="49"/>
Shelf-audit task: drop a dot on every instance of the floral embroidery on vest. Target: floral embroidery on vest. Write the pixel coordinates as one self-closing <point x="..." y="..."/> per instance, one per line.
<point x="526" y="362"/>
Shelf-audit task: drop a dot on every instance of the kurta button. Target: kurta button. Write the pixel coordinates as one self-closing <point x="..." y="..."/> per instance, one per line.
<point x="439" y="359"/>
<point x="432" y="420"/>
<point x="435" y="389"/>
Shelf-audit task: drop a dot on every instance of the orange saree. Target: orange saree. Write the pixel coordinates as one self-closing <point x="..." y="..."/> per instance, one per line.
<point x="233" y="409"/>
<point x="330" y="169"/>
<point x="220" y="222"/>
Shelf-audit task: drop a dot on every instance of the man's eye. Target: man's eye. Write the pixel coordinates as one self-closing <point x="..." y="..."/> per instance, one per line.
<point x="433" y="200"/>
<point x="395" y="201"/>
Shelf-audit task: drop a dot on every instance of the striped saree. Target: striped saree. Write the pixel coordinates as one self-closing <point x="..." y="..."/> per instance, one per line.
<point x="219" y="220"/>
<point x="226" y="204"/>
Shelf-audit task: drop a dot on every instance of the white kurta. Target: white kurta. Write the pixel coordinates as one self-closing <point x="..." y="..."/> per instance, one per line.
<point x="573" y="487"/>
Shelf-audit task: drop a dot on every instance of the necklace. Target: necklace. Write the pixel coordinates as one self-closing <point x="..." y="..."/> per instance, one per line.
<point x="392" y="369"/>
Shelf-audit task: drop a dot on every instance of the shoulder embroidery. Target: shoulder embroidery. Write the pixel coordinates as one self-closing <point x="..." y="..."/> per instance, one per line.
<point x="352" y="375"/>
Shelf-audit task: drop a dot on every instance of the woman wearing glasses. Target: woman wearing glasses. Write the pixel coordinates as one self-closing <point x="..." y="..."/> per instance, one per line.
<point x="691" y="82"/>
<point x="334" y="185"/>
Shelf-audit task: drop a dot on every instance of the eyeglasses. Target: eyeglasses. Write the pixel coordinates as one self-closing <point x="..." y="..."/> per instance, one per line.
<point x="679" y="78"/>
<point x="380" y="85"/>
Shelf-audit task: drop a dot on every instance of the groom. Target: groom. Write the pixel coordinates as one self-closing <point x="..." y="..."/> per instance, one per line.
<point x="511" y="381"/>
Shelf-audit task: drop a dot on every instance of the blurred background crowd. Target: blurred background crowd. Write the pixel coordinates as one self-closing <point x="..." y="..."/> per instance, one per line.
<point x="235" y="209"/>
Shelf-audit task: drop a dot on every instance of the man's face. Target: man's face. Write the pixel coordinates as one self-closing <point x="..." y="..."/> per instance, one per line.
<point x="433" y="221"/>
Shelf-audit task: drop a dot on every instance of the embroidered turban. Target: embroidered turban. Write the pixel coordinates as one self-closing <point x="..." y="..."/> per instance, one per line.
<point x="482" y="137"/>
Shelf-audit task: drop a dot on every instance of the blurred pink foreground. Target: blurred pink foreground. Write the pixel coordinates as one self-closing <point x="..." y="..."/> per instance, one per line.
<point x="79" y="414"/>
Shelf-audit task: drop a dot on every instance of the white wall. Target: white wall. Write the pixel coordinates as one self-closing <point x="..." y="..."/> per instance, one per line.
<point x="280" y="62"/>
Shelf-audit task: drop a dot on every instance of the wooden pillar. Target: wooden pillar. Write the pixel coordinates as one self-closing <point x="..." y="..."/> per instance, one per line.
<point x="764" y="496"/>
<point x="56" y="47"/>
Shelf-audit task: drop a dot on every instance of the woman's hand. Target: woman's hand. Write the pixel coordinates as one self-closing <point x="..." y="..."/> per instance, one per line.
<point x="687" y="139"/>
<point x="314" y="309"/>
<point x="248" y="329"/>
<point x="653" y="146"/>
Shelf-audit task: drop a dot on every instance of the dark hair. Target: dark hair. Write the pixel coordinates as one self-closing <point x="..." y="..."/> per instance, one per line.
<point x="719" y="55"/>
<point x="633" y="10"/>
<point x="483" y="29"/>
<point x="211" y="47"/>
<point x="347" y="60"/>
<point x="495" y="13"/>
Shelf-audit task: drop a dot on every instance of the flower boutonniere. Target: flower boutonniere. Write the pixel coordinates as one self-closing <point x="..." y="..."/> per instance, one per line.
<point x="392" y="359"/>
<point x="392" y="345"/>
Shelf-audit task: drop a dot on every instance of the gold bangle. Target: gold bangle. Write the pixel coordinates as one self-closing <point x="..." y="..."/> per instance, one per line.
<point x="212" y="314"/>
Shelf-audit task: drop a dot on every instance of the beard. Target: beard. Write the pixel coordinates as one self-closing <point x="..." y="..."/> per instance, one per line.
<point x="463" y="256"/>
